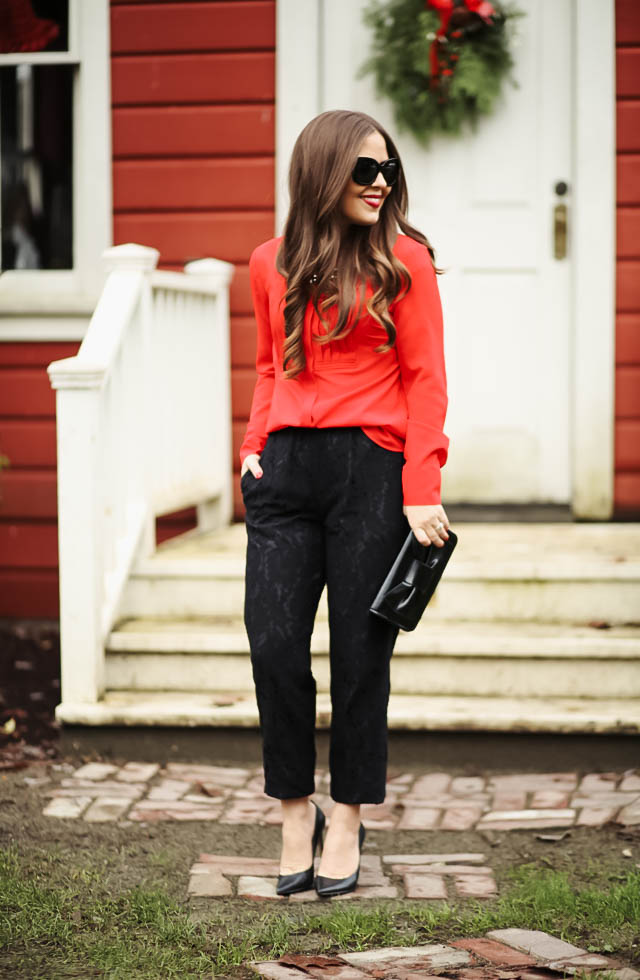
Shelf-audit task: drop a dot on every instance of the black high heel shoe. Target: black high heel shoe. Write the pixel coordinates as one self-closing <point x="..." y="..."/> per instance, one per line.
<point x="327" y="887"/>
<point x="302" y="881"/>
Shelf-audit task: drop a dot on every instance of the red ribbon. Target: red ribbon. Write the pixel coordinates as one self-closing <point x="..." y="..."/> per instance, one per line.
<point x="481" y="7"/>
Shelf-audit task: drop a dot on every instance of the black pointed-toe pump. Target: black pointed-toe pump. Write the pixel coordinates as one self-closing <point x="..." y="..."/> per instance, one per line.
<point x="302" y="881"/>
<point x="327" y="887"/>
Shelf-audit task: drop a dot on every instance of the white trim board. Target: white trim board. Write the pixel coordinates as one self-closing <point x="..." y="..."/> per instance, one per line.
<point x="20" y="290"/>
<point x="300" y="91"/>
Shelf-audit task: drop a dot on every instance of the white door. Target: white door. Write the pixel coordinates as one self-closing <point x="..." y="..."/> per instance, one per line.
<point x="486" y="202"/>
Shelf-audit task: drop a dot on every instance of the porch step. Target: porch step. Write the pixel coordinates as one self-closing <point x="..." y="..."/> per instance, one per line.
<point x="555" y="572"/>
<point x="406" y="712"/>
<point x="454" y="659"/>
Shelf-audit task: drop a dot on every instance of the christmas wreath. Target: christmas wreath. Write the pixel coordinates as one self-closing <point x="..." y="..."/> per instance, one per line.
<point x="441" y="62"/>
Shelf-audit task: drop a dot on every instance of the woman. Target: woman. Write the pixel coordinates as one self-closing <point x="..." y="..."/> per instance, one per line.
<point x="341" y="456"/>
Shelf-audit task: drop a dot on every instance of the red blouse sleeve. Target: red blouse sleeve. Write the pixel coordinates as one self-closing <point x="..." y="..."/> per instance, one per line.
<point x="256" y="434"/>
<point x="420" y="348"/>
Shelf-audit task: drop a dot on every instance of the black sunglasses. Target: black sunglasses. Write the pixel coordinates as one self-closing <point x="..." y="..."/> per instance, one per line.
<point x="367" y="169"/>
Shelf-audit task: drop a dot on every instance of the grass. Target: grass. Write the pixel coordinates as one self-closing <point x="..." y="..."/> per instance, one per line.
<point x="58" y="920"/>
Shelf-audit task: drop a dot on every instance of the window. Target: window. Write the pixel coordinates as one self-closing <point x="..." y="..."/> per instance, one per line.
<point x="55" y="157"/>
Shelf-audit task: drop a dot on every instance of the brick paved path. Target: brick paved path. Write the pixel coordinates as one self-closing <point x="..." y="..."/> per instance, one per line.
<point x="417" y="876"/>
<point x="516" y="954"/>
<point x="144" y="792"/>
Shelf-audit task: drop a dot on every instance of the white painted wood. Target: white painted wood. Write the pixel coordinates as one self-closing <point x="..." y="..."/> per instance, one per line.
<point x="593" y="382"/>
<point x="144" y="422"/>
<point x="298" y="84"/>
<point x="92" y="188"/>
<point x="406" y="712"/>
<point x="520" y="354"/>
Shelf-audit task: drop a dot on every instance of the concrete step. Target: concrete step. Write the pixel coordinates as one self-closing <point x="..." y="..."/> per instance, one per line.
<point x="505" y="658"/>
<point x="554" y="572"/>
<point x="406" y="712"/>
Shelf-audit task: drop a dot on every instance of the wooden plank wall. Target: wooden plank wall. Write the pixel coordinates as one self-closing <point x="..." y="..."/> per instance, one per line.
<point x="28" y="502"/>
<point x="193" y="89"/>
<point x="627" y="370"/>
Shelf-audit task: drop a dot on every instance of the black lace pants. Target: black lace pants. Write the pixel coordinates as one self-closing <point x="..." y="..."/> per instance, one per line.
<point x="328" y="509"/>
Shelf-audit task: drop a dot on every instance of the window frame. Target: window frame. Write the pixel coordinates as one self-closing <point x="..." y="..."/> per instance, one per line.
<point x="53" y="303"/>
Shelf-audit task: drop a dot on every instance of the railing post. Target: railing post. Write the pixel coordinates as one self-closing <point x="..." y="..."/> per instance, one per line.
<point x="78" y="382"/>
<point x="143" y="259"/>
<point x="219" y="511"/>
<point x="79" y="539"/>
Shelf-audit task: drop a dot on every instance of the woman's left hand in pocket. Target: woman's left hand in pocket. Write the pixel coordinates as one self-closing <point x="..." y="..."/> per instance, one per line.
<point x="424" y="520"/>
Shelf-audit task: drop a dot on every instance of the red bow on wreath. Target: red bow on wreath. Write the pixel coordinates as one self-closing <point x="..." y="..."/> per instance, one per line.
<point x="446" y="7"/>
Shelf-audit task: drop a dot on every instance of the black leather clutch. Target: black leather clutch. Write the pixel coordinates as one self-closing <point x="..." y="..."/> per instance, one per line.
<point x="412" y="580"/>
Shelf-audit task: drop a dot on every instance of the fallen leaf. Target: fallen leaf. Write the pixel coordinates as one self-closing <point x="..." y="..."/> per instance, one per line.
<point x="553" y="837"/>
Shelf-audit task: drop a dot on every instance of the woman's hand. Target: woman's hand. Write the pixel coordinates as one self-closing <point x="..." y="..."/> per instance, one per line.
<point x="251" y="462"/>
<point x="424" y="519"/>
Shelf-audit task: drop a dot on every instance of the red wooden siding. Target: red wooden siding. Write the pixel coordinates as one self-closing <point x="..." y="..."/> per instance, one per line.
<point x="193" y="91"/>
<point x="627" y="370"/>
<point x="28" y="503"/>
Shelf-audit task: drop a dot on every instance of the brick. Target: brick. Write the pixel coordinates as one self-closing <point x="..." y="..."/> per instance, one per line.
<point x="547" y="799"/>
<point x="108" y="787"/>
<point x="373" y="878"/>
<point x="211" y="791"/>
<point x="522" y="819"/>
<point x="579" y="963"/>
<point x="510" y="801"/>
<point x="65" y="807"/>
<point x="464" y="785"/>
<point x="427" y="786"/>
<point x="220" y="775"/>
<point x="597" y="782"/>
<point x="439" y="869"/>
<point x="95" y="770"/>
<point x="443" y="800"/>
<point x="211" y="885"/>
<point x="230" y="864"/>
<point x="435" y="955"/>
<point x="595" y="816"/>
<point x="371" y="862"/>
<point x="137" y="772"/>
<point x="529" y="782"/>
<point x="176" y="810"/>
<point x="476" y="886"/>
<point x="249" y="886"/>
<point x="630" y="783"/>
<point x="332" y="970"/>
<point x="494" y="952"/>
<point x="202" y="800"/>
<point x="276" y="971"/>
<point x="402" y="780"/>
<point x="630" y="815"/>
<point x="460" y="818"/>
<point x="418" y="818"/>
<point x="604" y="799"/>
<point x="374" y="891"/>
<point x="169" y="789"/>
<point x="539" y="944"/>
<point x="106" y="809"/>
<point x="424" y="886"/>
<point x="309" y="896"/>
<point x="457" y="857"/>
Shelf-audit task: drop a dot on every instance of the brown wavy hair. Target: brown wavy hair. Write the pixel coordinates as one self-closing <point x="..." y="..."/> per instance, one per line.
<point x="314" y="243"/>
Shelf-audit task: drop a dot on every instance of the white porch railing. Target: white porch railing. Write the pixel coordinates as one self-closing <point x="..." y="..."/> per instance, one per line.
<point x="143" y="428"/>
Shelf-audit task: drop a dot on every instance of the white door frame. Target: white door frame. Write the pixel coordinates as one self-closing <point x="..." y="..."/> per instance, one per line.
<point x="299" y="97"/>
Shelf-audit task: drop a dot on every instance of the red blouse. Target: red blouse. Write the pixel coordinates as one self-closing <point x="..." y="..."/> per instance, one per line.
<point x="399" y="398"/>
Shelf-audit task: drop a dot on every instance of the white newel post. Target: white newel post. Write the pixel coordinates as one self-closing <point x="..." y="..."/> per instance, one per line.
<point x="80" y="383"/>
<point x="218" y="511"/>
<point x="79" y="538"/>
